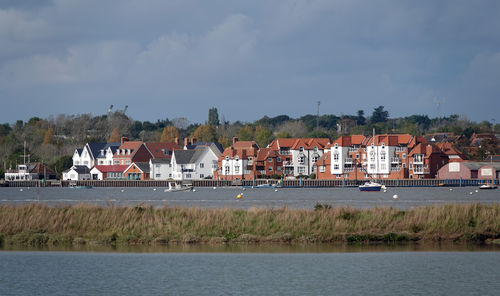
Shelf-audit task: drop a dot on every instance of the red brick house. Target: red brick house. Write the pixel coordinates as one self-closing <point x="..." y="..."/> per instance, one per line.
<point x="131" y="151"/>
<point x="237" y="161"/>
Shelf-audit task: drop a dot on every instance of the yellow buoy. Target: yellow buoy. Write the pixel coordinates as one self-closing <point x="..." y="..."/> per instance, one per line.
<point x="239" y="196"/>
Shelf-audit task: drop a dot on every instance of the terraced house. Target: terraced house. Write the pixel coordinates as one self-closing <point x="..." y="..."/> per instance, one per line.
<point x="237" y="161"/>
<point x="397" y="156"/>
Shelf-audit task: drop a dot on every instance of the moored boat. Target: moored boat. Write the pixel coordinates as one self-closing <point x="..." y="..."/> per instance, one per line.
<point x="178" y="187"/>
<point x="370" y="186"/>
<point x="488" y="186"/>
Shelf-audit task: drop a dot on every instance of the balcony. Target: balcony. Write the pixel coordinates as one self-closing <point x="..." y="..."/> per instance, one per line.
<point x="400" y="149"/>
<point x="287" y="163"/>
<point x="348" y="169"/>
<point x="395" y="160"/>
<point x="395" y="168"/>
<point x="351" y="149"/>
<point x="348" y="160"/>
<point x="418" y="159"/>
<point x="421" y="170"/>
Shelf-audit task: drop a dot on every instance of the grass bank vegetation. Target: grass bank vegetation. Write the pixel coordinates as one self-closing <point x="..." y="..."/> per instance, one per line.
<point x="41" y="225"/>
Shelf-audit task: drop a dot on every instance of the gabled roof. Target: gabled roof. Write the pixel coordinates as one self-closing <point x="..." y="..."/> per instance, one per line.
<point x="476" y="165"/>
<point x="95" y="148"/>
<point x="392" y="140"/>
<point x="242" y="149"/>
<point x="426" y="149"/>
<point x="295" y="143"/>
<point x="183" y="156"/>
<point x="142" y="166"/>
<point x="79" y="169"/>
<point x="162" y="150"/>
<point x="216" y="145"/>
<point x="265" y="153"/>
<point x="113" y="146"/>
<point x="132" y="145"/>
<point x="111" y="168"/>
<point x="79" y="151"/>
<point x="325" y="159"/>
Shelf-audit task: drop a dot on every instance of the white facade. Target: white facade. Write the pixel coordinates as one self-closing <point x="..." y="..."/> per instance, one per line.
<point x="96" y="174"/>
<point x="108" y="157"/>
<point x="77" y="157"/>
<point x="73" y="175"/>
<point x="22" y="174"/>
<point x="303" y="160"/>
<point x="234" y="166"/>
<point x="86" y="158"/>
<point x="379" y="159"/>
<point x="160" y="169"/>
<point x="202" y="164"/>
<point x="339" y="156"/>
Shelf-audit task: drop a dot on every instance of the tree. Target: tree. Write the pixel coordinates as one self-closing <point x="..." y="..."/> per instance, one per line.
<point x="205" y="133"/>
<point x="283" y="135"/>
<point x="246" y="133"/>
<point x="361" y="120"/>
<point x="224" y="141"/>
<point x="213" y="117"/>
<point x="263" y="136"/>
<point x="379" y="115"/>
<point x="49" y="137"/>
<point x="115" y="136"/>
<point x="169" y="134"/>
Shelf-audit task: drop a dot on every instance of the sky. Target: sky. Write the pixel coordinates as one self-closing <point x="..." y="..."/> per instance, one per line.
<point x="178" y="58"/>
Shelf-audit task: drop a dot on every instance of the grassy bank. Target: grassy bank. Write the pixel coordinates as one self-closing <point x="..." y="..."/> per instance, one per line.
<point x="40" y="225"/>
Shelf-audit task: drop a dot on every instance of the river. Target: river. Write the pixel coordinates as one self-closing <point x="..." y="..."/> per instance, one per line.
<point x="344" y="273"/>
<point x="226" y="197"/>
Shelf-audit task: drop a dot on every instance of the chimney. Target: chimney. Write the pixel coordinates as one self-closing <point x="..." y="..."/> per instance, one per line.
<point x="235" y="139"/>
<point x="123" y="140"/>
<point x="193" y="140"/>
<point x="176" y="140"/>
<point x="186" y="142"/>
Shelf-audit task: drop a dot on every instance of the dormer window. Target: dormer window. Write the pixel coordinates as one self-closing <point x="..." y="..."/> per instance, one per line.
<point x="301" y="149"/>
<point x="315" y="149"/>
<point x="237" y="158"/>
<point x="336" y="146"/>
<point x="227" y="157"/>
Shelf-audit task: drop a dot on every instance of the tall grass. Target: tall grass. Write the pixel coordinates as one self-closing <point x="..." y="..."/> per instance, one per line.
<point x="38" y="224"/>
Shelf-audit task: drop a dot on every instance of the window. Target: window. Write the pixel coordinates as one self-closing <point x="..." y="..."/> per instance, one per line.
<point x="322" y="169"/>
<point x="315" y="149"/>
<point x="202" y="165"/>
<point x="367" y="176"/>
<point x="85" y="162"/>
<point x="302" y="159"/>
<point x="170" y="175"/>
<point x="237" y="169"/>
<point x="278" y="169"/>
<point x="278" y="159"/>
<point x="382" y="155"/>
<point x="77" y="162"/>
<point x="301" y="170"/>
<point x="188" y="176"/>
<point x="202" y="176"/>
<point x="357" y="156"/>
<point x="158" y="175"/>
<point x="227" y="157"/>
<point x="127" y="161"/>
<point x="338" y="176"/>
<point x="315" y="158"/>
<point x="301" y="149"/>
<point x="404" y="155"/>
<point x="270" y="169"/>
<point x="411" y="165"/>
<point x="336" y="156"/>
<point x="117" y="162"/>
<point x="383" y="166"/>
<point x="404" y="165"/>
<point x="372" y="166"/>
<point x="269" y="159"/>
<point x="335" y="166"/>
<point x="227" y="170"/>
<point x="157" y="165"/>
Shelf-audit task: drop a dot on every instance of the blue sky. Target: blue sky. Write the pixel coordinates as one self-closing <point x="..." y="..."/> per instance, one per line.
<point x="178" y="58"/>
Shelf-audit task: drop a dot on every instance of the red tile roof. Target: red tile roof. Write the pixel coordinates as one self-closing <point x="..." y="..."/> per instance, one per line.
<point x="158" y="148"/>
<point x="111" y="168"/>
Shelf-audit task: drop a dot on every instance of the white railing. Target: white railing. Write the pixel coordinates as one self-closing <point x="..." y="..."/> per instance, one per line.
<point x="348" y="160"/>
<point x="348" y="169"/>
<point x="400" y="149"/>
<point x="351" y="149"/>
<point x="395" y="160"/>
<point x="418" y="159"/>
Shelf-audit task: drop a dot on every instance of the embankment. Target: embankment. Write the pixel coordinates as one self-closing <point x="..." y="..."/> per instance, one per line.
<point x="40" y="225"/>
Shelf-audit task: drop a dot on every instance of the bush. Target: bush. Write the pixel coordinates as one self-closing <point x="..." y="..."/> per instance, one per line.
<point x="312" y="176"/>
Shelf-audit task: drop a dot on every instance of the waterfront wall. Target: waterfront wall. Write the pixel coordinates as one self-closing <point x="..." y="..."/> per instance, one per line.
<point x="249" y="183"/>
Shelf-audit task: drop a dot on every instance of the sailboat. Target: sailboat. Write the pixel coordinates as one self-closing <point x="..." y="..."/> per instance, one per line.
<point x="174" y="187"/>
<point x="372" y="186"/>
<point x="491" y="185"/>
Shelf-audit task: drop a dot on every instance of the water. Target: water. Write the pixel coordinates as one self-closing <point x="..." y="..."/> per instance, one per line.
<point x="368" y="273"/>
<point x="226" y="197"/>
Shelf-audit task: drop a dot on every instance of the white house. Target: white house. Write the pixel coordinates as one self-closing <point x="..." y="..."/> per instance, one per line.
<point x="105" y="156"/>
<point x="300" y="154"/>
<point x="77" y="173"/>
<point x="194" y="164"/>
<point x="88" y="155"/>
<point x="160" y="168"/>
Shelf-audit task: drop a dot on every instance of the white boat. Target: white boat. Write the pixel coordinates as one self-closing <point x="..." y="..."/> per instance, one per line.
<point x="371" y="186"/>
<point x="488" y="186"/>
<point x="174" y="187"/>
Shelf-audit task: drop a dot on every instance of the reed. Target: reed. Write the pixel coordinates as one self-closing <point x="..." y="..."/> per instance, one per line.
<point x="39" y="225"/>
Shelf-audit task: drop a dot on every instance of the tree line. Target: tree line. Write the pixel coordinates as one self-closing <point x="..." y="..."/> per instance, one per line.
<point x="53" y="140"/>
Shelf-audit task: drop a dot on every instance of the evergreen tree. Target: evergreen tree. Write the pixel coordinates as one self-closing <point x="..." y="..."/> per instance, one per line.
<point x="213" y="117"/>
<point x="115" y="136"/>
<point x="379" y="115"/>
<point x="49" y="137"/>
<point x="360" y="119"/>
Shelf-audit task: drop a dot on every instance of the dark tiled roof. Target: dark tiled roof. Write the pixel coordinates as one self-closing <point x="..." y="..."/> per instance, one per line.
<point x="80" y="169"/>
<point x="184" y="156"/>
<point x="95" y="148"/>
<point x="113" y="146"/>
<point x="160" y="160"/>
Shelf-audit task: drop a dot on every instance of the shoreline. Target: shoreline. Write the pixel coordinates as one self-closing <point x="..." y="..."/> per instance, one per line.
<point x="38" y="225"/>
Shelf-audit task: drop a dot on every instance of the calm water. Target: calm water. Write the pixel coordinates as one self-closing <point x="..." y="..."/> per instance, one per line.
<point x="368" y="273"/>
<point x="226" y="197"/>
